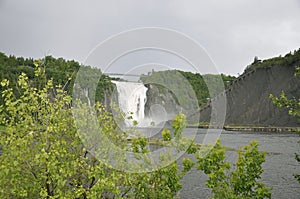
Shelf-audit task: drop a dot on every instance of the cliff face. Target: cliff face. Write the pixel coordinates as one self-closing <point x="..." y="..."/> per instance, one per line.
<point x="248" y="101"/>
<point x="163" y="99"/>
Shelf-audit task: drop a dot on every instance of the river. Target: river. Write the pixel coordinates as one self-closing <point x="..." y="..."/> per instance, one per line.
<point x="279" y="167"/>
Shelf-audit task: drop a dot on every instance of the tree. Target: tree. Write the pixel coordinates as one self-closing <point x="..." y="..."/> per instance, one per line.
<point x="242" y="182"/>
<point x="62" y="72"/>
<point x="43" y="156"/>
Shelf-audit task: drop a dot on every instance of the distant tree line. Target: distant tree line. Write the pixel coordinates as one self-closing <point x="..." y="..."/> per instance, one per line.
<point x="197" y="81"/>
<point x="65" y="71"/>
<point x="290" y="59"/>
<point x="61" y="71"/>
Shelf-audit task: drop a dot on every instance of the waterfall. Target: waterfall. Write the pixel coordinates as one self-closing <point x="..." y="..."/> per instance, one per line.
<point x="132" y="99"/>
<point x="86" y="93"/>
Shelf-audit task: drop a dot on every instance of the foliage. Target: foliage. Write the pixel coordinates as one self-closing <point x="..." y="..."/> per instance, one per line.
<point x="198" y="83"/>
<point x="179" y="123"/>
<point x="43" y="156"/>
<point x="290" y="59"/>
<point x="293" y="106"/>
<point x="174" y="84"/>
<point x="166" y="134"/>
<point x="240" y="183"/>
<point x="61" y="72"/>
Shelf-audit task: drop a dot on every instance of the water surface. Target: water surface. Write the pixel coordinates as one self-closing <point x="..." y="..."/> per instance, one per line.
<point x="279" y="167"/>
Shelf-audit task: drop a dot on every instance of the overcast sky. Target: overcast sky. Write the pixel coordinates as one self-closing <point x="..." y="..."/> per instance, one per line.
<point x="231" y="31"/>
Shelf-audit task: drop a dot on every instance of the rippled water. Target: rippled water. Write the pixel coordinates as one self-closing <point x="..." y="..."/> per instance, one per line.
<point x="279" y="167"/>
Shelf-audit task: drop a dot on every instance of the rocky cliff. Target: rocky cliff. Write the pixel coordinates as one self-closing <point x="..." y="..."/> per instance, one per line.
<point x="165" y="99"/>
<point x="248" y="101"/>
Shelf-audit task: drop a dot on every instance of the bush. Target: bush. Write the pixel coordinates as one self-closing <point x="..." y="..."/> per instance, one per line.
<point x="242" y="182"/>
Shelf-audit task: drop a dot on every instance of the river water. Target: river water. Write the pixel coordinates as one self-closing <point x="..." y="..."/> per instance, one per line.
<point x="279" y="167"/>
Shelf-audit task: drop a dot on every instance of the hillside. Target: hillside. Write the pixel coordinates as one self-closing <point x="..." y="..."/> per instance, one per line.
<point x="195" y="80"/>
<point x="61" y="71"/>
<point x="248" y="101"/>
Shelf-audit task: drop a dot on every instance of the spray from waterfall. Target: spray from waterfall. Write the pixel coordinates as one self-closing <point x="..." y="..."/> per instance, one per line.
<point x="132" y="98"/>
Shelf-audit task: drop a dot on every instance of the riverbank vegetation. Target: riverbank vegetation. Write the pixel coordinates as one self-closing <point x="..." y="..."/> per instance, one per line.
<point x="43" y="155"/>
<point x="240" y="183"/>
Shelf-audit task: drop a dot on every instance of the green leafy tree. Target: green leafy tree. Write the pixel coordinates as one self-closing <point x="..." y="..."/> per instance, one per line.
<point x="61" y="71"/>
<point x="43" y="156"/>
<point x="197" y="82"/>
<point x="240" y="183"/>
<point x="166" y="134"/>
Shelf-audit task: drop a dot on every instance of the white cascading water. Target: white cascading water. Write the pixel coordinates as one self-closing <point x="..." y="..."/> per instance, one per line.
<point x="132" y="99"/>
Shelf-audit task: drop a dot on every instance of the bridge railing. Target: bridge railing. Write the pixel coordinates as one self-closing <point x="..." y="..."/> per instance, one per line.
<point x="120" y="74"/>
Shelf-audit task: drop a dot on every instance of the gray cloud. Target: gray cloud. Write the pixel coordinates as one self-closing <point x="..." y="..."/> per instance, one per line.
<point x="232" y="31"/>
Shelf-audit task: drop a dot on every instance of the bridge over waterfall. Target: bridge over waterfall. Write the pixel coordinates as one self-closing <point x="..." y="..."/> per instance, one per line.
<point x="122" y="74"/>
<point x="126" y="76"/>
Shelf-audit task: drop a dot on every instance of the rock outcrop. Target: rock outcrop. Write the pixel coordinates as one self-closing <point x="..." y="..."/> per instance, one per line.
<point x="248" y="101"/>
<point x="165" y="99"/>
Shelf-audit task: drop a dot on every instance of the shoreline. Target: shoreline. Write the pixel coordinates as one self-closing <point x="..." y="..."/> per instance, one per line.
<point x="272" y="129"/>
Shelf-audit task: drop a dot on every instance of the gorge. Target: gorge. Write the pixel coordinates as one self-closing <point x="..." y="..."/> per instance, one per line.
<point x="248" y="101"/>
